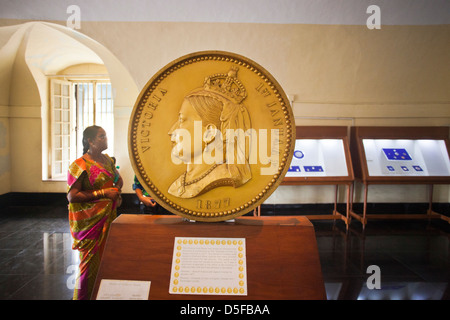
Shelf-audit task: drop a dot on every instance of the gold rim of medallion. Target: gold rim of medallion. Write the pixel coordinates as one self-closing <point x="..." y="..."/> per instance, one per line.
<point x="183" y="61"/>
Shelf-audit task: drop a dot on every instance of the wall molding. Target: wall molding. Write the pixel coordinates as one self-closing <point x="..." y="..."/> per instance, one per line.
<point x="130" y="204"/>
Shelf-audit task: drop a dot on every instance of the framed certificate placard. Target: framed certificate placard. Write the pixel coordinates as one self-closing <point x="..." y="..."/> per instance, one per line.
<point x="209" y="266"/>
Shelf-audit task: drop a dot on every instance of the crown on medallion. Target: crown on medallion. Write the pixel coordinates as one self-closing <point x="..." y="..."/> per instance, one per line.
<point x="227" y="85"/>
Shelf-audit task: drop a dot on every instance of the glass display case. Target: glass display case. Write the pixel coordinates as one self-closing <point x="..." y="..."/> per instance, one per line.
<point x="400" y="155"/>
<point x="406" y="158"/>
<point x="318" y="158"/>
<point x="322" y="157"/>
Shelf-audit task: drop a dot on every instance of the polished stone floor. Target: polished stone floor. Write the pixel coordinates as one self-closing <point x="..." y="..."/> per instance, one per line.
<point x="413" y="257"/>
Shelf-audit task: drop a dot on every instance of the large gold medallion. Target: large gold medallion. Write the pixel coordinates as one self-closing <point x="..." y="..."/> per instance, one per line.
<point x="211" y="136"/>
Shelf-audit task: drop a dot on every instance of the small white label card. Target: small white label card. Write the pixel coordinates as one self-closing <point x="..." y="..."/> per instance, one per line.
<point x="123" y="290"/>
<point x="210" y="266"/>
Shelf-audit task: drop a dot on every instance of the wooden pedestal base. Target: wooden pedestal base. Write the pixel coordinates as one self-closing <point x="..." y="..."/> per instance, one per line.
<point x="282" y="257"/>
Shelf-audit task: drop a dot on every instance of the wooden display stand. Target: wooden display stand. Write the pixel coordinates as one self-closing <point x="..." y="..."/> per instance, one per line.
<point x="327" y="132"/>
<point x="360" y="164"/>
<point x="282" y="257"/>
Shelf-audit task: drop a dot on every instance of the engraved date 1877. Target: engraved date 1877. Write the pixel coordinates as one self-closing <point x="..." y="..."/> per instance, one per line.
<point x="213" y="204"/>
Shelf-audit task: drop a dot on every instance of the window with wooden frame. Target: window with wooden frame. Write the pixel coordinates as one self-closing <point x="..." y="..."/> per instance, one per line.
<point x="75" y="105"/>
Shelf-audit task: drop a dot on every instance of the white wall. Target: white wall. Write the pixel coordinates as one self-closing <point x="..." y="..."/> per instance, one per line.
<point x="340" y="74"/>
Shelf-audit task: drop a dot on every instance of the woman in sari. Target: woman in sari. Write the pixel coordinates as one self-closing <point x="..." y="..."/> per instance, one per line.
<point x="94" y="187"/>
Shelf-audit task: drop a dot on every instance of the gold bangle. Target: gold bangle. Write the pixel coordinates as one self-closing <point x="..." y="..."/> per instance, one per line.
<point x="103" y="193"/>
<point x="95" y="193"/>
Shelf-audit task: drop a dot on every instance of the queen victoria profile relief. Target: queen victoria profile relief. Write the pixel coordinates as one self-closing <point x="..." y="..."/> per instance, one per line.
<point x="216" y="107"/>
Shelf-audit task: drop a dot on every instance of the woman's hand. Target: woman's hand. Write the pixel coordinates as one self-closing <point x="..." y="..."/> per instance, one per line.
<point x="149" y="202"/>
<point x="111" y="193"/>
<point x="76" y="194"/>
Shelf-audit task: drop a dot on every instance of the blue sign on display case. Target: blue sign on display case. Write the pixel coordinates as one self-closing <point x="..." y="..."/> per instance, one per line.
<point x="313" y="168"/>
<point x="396" y="154"/>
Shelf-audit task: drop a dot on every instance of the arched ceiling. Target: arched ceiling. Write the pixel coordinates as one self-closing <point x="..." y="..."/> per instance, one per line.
<point x="45" y="48"/>
<point x="51" y="50"/>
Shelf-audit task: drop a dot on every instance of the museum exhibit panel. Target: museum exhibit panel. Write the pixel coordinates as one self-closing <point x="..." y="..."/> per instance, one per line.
<point x="400" y="155"/>
<point x="322" y="157"/>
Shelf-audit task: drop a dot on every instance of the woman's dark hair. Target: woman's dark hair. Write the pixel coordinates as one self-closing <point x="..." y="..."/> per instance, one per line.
<point x="89" y="133"/>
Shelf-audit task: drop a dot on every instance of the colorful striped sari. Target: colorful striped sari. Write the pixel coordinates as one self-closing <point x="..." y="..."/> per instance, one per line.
<point x="90" y="221"/>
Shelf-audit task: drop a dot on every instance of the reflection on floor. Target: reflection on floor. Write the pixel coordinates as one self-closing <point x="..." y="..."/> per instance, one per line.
<point x="413" y="258"/>
<point x="37" y="262"/>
